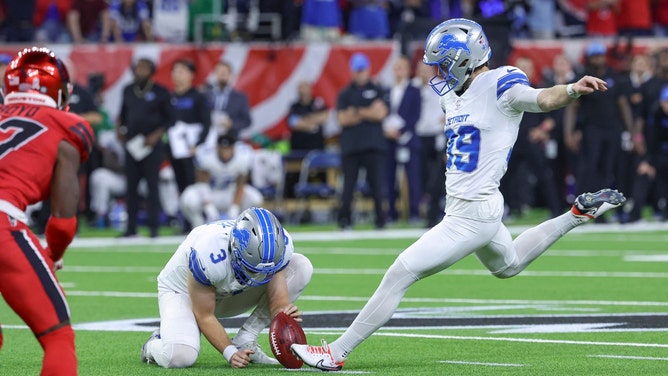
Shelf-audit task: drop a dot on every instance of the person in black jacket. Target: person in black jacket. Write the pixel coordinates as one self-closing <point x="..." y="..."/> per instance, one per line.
<point x="653" y="166"/>
<point x="306" y="119"/>
<point x="602" y="118"/>
<point x="145" y="114"/>
<point x="191" y="123"/>
<point x="360" y="111"/>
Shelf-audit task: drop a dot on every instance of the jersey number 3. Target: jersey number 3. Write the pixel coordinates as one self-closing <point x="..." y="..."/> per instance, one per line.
<point x="463" y="148"/>
<point x="15" y="133"/>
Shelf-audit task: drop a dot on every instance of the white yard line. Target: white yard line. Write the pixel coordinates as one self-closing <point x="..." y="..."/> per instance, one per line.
<point x="325" y="250"/>
<point x="125" y="294"/>
<point x="626" y="357"/>
<point x="481" y="363"/>
<point x="308" y="369"/>
<point x="388" y="234"/>
<point x="506" y="339"/>
<point x="646" y="258"/>
<point x="582" y="274"/>
<point x="622" y="236"/>
<point x="495" y="301"/>
<point x="113" y="294"/>
<point x="355" y="271"/>
<point x="604" y="253"/>
<point x="112" y="269"/>
<point x="525" y="273"/>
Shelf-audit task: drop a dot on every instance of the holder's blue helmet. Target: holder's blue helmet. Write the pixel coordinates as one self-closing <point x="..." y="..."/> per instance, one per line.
<point x="456" y="47"/>
<point x="257" y="245"/>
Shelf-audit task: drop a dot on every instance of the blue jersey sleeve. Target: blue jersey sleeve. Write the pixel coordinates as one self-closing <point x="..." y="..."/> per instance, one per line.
<point x="514" y="76"/>
<point x="196" y="268"/>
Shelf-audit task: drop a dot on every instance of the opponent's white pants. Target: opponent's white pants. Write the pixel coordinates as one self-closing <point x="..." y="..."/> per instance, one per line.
<point x="179" y="341"/>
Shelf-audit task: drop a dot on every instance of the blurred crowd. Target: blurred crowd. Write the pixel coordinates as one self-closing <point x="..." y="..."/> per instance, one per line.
<point x="117" y="21"/>
<point x="617" y="138"/>
<point x="175" y="158"/>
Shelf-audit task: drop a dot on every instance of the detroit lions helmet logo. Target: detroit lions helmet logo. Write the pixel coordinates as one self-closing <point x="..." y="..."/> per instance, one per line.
<point x="243" y="237"/>
<point x="450" y="42"/>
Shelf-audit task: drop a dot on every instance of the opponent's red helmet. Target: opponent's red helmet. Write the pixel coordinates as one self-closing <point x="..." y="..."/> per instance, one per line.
<point x="37" y="76"/>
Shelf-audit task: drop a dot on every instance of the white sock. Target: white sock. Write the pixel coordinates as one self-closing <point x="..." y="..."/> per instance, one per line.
<point x="377" y="311"/>
<point x="255" y="323"/>
<point x="244" y="335"/>
<point x="535" y="241"/>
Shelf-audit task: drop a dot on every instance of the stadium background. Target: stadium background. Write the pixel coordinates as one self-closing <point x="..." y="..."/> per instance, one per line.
<point x="269" y="73"/>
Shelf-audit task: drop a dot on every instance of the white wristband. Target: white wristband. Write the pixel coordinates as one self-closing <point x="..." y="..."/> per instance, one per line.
<point x="571" y="92"/>
<point x="229" y="351"/>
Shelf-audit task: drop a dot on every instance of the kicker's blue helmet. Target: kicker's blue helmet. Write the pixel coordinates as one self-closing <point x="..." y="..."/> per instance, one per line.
<point x="456" y="47"/>
<point x="257" y="245"/>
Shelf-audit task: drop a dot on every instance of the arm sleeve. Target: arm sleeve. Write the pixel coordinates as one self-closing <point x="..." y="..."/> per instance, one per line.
<point x="122" y="116"/>
<point x="293" y="116"/>
<point x="168" y="116"/>
<point x="415" y="108"/>
<point x="520" y="98"/>
<point x="196" y="268"/>
<point x="651" y="136"/>
<point x="82" y="137"/>
<point x="59" y="233"/>
<point x="341" y="101"/>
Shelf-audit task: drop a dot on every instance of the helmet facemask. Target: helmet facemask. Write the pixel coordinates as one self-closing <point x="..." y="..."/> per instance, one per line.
<point x="444" y="80"/>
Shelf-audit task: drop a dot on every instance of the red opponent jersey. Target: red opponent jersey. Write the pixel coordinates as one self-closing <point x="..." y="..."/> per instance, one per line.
<point x="29" y="138"/>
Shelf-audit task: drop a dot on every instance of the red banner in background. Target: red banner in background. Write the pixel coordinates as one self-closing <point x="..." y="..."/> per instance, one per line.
<point x="269" y="74"/>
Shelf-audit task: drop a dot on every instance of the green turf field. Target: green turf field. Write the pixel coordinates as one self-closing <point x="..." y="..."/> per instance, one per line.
<point x="595" y="304"/>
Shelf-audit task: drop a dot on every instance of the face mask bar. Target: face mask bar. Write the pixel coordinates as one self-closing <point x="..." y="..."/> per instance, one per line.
<point x="443" y="82"/>
<point x="251" y="275"/>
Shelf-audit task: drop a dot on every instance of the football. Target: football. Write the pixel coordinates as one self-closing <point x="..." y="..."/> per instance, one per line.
<point x="283" y="332"/>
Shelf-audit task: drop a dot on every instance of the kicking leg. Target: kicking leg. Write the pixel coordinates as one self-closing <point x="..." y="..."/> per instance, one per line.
<point x="506" y="258"/>
<point x="448" y="242"/>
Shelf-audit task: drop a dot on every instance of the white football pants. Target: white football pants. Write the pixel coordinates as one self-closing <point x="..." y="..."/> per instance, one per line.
<point x="443" y="245"/>
<point x="179" y="341"/>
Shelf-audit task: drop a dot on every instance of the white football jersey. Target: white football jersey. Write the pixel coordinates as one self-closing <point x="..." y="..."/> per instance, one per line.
<point x="481" y="129"/>
<point x="205" y="253"/>
<point x="225" y="174"/>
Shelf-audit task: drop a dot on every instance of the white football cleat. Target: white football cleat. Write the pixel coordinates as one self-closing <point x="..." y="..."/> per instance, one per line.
<point x="259" y="356"/>
<point x="144" y="355"/>
<point x="319" y="357"/>
<point x="593" y="205"/>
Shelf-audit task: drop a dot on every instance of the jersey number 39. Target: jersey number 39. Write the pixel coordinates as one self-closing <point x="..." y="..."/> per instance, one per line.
<point x="463" y="148"/>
